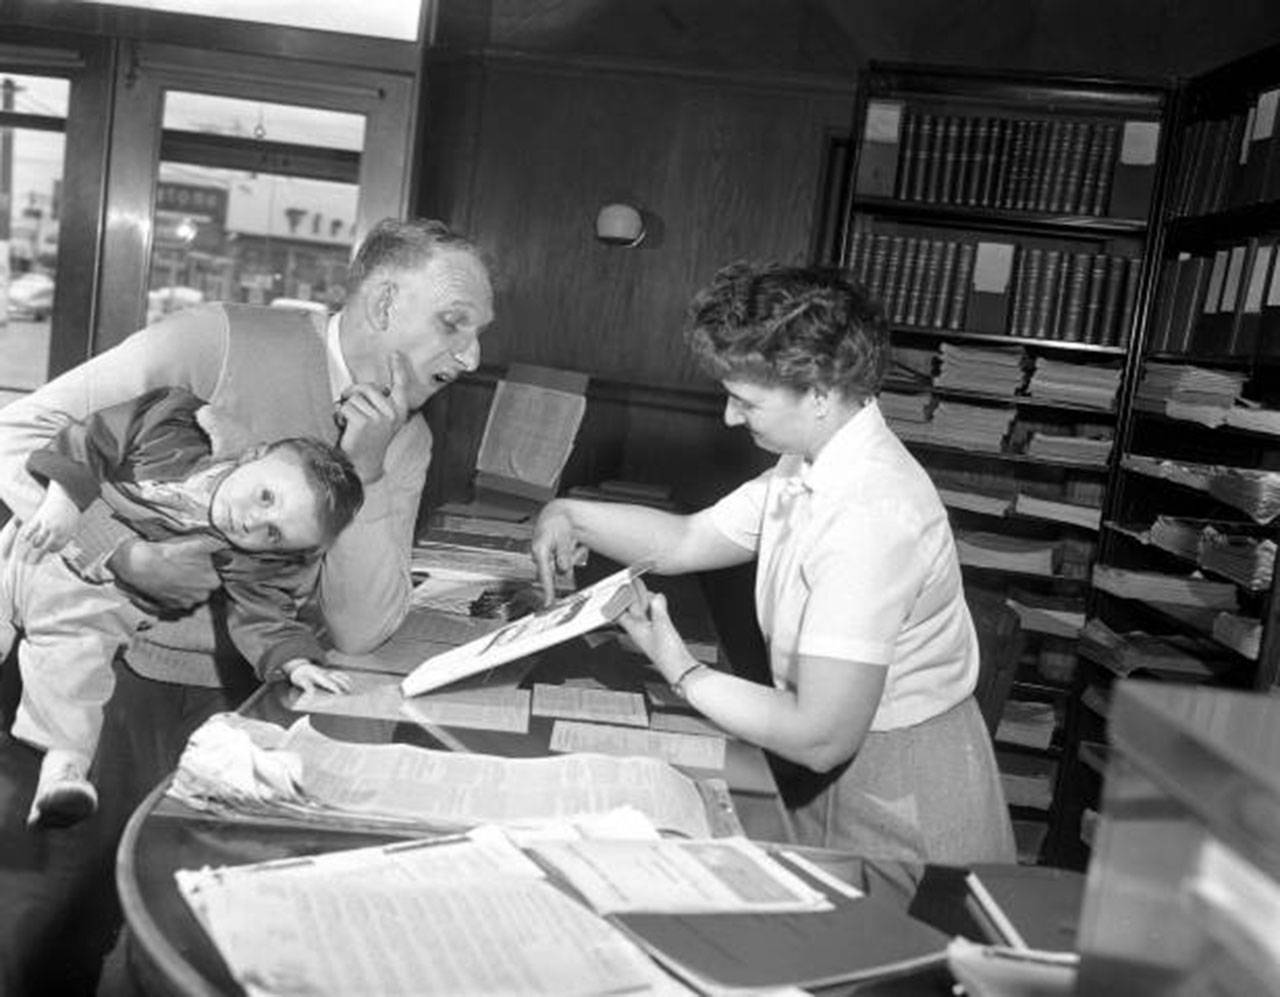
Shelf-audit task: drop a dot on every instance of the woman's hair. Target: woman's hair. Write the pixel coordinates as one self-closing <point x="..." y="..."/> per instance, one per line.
<point x="802" y="327"/>
<point x="404" y="245"/>
<point x="333" y="480"/>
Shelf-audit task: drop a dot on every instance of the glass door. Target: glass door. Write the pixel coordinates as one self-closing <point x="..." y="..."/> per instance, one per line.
<point x="232" y="180"/>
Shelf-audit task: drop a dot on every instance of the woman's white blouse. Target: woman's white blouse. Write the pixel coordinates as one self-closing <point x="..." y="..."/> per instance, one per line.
<point x="856" y="561"/>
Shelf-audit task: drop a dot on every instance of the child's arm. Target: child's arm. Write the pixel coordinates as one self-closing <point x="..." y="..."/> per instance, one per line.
<point x="309" y="676"/>
<point x="53" y="523"/>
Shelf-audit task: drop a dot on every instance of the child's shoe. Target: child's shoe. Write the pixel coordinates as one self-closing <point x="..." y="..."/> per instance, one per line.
<point x="64" y="794"/>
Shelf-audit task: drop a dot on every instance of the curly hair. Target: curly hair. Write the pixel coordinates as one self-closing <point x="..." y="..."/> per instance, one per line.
<point x="802" y="327"/>
<point x="404" y="245"/>
<point x="333" y="480"/>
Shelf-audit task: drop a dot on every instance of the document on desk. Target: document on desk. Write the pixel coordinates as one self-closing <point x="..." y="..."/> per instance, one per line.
<point x="667" y="876"/>
<point x="571" y="616"/>
<point x="425" y="631"/>
<point x="407" y="782"/>
<point x="691" y="750"/>
<point x="610" y="706"/>
<point x="377" y="695"/>
<point x="454" y="925"/>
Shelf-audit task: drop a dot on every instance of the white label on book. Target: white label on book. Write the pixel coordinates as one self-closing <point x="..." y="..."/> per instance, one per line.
<point x="993" y="266"/>
<point x="884" y="121"/>
<point x="1257" y="280"/>
<point x="1231" y="286"/>
<point x="1247" y="136"/>
<point x="1139" y="142"/>
<point x="1216" y="277"/>
<point x="1264" y="121"/>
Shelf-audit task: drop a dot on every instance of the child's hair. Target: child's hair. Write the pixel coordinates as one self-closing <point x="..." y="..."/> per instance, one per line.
<point x="333" y="480"/>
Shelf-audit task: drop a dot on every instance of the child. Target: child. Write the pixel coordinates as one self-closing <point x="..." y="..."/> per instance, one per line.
<point x="268" y="514"/>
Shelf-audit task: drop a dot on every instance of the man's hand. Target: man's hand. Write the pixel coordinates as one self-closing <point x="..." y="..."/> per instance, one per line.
<point x="309" y="677"/>
<point x="174" y="574"/>
<point x="370" y="416"/>
<point x="554" y="547"/>
<point x="52" y="525"/>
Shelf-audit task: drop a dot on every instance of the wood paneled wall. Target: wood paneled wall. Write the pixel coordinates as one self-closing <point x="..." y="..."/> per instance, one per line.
<point x="521" y="152"/>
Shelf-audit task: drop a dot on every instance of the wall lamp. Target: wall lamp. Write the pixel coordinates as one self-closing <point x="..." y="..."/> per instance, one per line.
<point x="620" y="224"/>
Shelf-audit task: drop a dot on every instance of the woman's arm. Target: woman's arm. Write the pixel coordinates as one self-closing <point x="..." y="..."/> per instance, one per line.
<point x="675" y="544"/>
<point x="819" y="724"/>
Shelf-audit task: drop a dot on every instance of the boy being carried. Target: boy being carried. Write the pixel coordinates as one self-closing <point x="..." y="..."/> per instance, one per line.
<point x="161" y="464"/>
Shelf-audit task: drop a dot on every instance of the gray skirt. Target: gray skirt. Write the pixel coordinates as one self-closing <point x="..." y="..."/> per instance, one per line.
<point x="928" y="793"/>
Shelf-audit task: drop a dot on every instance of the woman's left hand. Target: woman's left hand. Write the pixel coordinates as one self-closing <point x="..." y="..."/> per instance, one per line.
<point x="647" y="622"/>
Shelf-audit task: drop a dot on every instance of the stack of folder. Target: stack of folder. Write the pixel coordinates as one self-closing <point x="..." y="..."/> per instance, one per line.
<point x="1070" y="449"/>
<point x="898" y="407"/>
<point x="1007" y="553"/>
<point x="992" y="371"/>
<point x="970" y="427"/>
<point x="1064" y="383"/>
<point x="1176" y="656"/>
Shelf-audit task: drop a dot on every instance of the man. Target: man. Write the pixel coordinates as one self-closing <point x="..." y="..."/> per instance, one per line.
<point x="418" y="298"/>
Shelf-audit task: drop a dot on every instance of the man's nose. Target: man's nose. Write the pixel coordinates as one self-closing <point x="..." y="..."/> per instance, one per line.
<point x="469" y="357"/>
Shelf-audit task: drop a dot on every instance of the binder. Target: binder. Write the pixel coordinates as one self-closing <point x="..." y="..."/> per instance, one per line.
<point x="1269" y="319"/>
<point x="1135" y="170"/>
<point x="1188" y="297"/>
<point x="989" y="292"/>
<point x="878" y="159"/>
<point x="1209" y="337"/>
<point x="1253" y="174"/>
<point x="1248" y="319"/>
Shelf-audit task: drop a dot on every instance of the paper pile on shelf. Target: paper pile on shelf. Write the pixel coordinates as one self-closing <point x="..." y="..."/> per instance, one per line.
<point x="970" y="427"/>
<point x="1157" y="587"/>
<point x="1074" y="384"/>
<point x="911" y="365"/>
<point x="1008" y="553"/>
<point x="1184" y="391"/>
<point x="1248" y="561"/>
<point x="1256" y="420"/>
<point x="1070" y="449"/>
<point x="1060" y="512"/>
<point x="1240" y="633"/>
<point x="1027" y="723"/>
<point x="993" y="371"/>
<point x="987" y="505"/>
<point x="900" y="407"/>
<point x="1027" y="781"/>
<point x="1123" y="653"/>
<point x="1059" y="616"/>
<point x="1252" y="491"/>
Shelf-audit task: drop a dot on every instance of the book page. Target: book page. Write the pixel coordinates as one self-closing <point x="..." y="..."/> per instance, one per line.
<point x="608" y="706"/>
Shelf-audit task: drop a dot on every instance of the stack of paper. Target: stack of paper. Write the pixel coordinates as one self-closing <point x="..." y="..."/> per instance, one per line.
<point x="1176" y="656"/>
<point x="1248" y="561"/>
<point x="1184" y="391"/>
<point x="1254" y="492"/>
<point x="1177" y="536"/>
<point x="1158" y="588"/>
<point x="1242" y="634"/>
<point x="1027" y="781"/>
<point x="987" y="505"/>
<point x="1070" y="449"/>
<point x="1027" y="723"/>
<point x="1060" y="616"/>
<point x="1064" y="383"/>
<point x="898" y="407"/>
<point x="992" y="371"/>
<point x="970" y="427"/>
<point x="1256" y="420"/>
<point x="1008" y="553"/>
<point x="911" y="365"/>
<point x="1060" y="512"/>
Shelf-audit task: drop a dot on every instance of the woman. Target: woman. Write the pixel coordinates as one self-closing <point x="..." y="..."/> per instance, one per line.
<point x="858" y="588"/>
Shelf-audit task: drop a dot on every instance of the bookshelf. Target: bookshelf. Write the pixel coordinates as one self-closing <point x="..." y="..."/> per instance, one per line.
<point x="1183" y="588"/>
<point x="1006" y="222"/>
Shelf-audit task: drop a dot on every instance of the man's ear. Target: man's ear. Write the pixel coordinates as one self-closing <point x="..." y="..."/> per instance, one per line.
<point x="379" y="299"/>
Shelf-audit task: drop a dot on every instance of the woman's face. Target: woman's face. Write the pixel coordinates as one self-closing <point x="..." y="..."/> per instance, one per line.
<point x="779" y="419"/>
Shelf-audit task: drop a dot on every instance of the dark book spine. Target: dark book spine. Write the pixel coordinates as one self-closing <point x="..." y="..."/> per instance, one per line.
<point x="997" y="162"/>
<point x="979" y="160"/>
<point x="946" y="280"/>
<point x="944" y="177"/>
<point x="1015" y="164"/>
<point x="1102" y="189"/>
<point x="906" y="279"/>
<point x="1067" y="194"/>
<point x="908" y="155"/>
<point x="929" y="285"/>
<point x="1093" y="300"/>
<point x="960" y="289"/>
<point x="879" y="263"/>
<point x="1043" y="326"/>
<point x="1111" y="297"/>
<point x="1072" y="326"/>
<point x="924" y="158"/>
<point x="1128" y="301"/>
<point x="1092" y="168"/>
<point x="1033" y="168"/>
<point x="1050" y="178"/>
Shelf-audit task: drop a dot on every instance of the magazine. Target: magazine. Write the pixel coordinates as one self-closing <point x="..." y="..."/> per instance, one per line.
<point x="568" y="617"/>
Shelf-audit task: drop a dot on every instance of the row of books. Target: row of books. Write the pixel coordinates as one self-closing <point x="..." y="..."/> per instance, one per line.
<point x="954" y="284"/>
<point x="1099" y="167"/>
<point x="1228" y="160"/>
<point x="1222" y="303"/>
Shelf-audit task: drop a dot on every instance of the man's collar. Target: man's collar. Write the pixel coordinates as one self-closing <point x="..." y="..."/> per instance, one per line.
<point x="340" y="378"/>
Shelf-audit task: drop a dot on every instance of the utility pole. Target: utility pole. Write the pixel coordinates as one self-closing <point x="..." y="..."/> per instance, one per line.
<point x="7" y="90"/>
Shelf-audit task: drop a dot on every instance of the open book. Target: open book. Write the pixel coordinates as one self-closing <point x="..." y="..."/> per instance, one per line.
<point x="568" y="617"/>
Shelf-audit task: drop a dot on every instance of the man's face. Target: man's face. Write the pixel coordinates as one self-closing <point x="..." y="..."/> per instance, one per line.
<point x="435" y="319"/>
<point x="266" y="503"/>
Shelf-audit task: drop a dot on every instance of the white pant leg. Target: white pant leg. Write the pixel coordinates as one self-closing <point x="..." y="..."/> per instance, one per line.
<point x="70" y="631"/>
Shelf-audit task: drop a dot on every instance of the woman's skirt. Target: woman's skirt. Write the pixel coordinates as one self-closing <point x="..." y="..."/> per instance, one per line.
<point x="928" y="793"/>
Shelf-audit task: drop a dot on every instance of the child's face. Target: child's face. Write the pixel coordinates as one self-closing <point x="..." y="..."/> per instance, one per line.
<point x="266" y="503"/>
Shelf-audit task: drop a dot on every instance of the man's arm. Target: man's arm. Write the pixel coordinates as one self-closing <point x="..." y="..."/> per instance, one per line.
<point x="364" y="580"/>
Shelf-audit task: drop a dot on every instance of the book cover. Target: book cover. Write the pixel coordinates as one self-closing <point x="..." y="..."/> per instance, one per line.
<point x="989" y="297"/>
<point x="1071" y="328"/>
<point x="925" y="153"/>
<point x="878" y="156"/>
<point x="570" y="616"/>
<point x="1094" y="149"/>
<point x="1093" y="300"/>
<point x="1044" y="322"/>
<point x="957" y="314"/>
<point x="1235" y="151"/>
<point x="908" y="156"/>
<point x="980" y="160"/>
<point x="1244" y="329"/>
<point x="946" y="282"/>
<point x="999" y="157"/>
<point x="1109" y="316"/>
<point x="1252" y="177"/>
<point x="1269" y="319"/>
<point x="1213" y="329"/>
<point x="1189" y="294"/>
<point x="1128" y="301"/>
<point x="1030" y="264"/>
<point x="1101" y="191"/>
